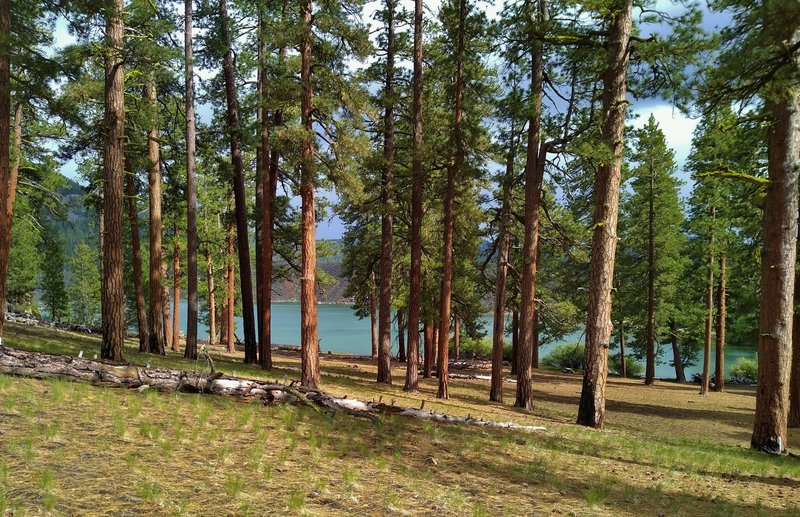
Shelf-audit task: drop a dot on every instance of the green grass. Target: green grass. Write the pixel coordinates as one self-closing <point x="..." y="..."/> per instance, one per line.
<point x="665" y="450"/>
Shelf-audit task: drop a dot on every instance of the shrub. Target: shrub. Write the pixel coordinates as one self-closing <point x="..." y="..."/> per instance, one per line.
<point x="744" y="371"/>
<point x="565" y="355"/>
<point x="474" y="348"/>
<point x="633" y="367"/>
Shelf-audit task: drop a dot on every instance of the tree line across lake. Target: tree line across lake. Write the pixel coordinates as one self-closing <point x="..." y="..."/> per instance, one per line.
<point x="475" y="162"/>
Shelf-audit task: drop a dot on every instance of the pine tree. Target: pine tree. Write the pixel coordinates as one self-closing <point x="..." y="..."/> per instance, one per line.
<point x="54" y="294"/>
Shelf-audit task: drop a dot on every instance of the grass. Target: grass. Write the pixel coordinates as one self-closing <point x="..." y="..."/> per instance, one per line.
<point x="71" y="448"/>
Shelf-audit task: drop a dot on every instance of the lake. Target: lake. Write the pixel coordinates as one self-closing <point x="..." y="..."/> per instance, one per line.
<point x="341" y="331"/>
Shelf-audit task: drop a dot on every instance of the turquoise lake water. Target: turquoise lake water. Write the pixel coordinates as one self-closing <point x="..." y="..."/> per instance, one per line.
<point x="341" y="331"/>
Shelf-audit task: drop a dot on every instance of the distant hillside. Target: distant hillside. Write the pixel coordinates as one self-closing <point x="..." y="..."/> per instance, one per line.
<point x="80" y="223"/>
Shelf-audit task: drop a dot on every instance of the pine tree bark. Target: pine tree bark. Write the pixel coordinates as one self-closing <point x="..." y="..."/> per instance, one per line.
<point x="535" y="356"/>
<point x="427" y="360"/>
<point x="309" y="376"/>
<point x="10" y="197"/>
<point x="534" y="172"/>
<point x="705" y="381"/>
<point x="503" y="239"/>
<point x="136" y="251"/>
<point x="456" y="336"/>
<point x="373" y="316"/>
<point x="166" y="313"/>
<point x="212" y="305"/>
<point x="242" y="239"/>
<point x="794" y="376"/>
<point x="778" y="256"/>
<point x="435" y="347"/>
<point x="387" y="199"/>
<point x="113" y="289"/>
<point x="156" y="315"/>
<point x="514" y="341"/>
<point x="5" y="161"/>
<point x="650" y="365"/>
<point x="592" y="409"/>
<point x="176" y="292"/>
<point x="719" y="369"/>
<point x="191" y="190"/>
<point x="230" y="306"/>
<point x="417" y="192"/>
<point x="680" y="375"/>
<point x="264" y="204"/>
<point x="454" y="170"/>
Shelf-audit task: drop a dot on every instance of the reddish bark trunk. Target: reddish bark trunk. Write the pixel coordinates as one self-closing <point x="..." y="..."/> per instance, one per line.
<point x="158" y="331"/>
<point x="454" y="170"/>
<point x="385" y="303"/>
<point x="591" y="411"/>
<point x="401" y="336"/>
<point x="680" y="375"/>
<point x="499" y="328"/>
<point x="704" y="383"/>
<point x="191" y="189"/>
<point x="456" y="337"/>
<point x="719" y="370"/>
<point x="264" y="206"/>
<point x="514" y="341"/>
<point x="10" y="196"/>
<point x="242" y="240"/>
<point x="534" y="172"/>
<point x="778" y="256"/>
<point x="309" y="376"/>
<point x="176" y="292"/>
<point x="417" y="192"/>
<point x="212" y="306"/>
<point x="136" y="251"/>
<point x="113" y="288"/>
<point x="230" y="307"/>
<point x="623" y="365"/>
<point x="165" y="315"/>
<point x="427" y="366"/>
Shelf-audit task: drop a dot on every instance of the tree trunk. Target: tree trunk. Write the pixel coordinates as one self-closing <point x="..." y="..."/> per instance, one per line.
<point x="778" y="257"/>
<point x="5" y="162"/>
<point x="133" y="221"/>
<point x="704" y="383"/>
<point x="373" y="316"/>
<point x="212" y="306"/>
<point x="156" y="314"/>
<point x="242" y="240"/>
<point x="385" y="298"/>
<point x="456" y="337"/>
<point x="623" y="365"/>
<point x="435" y="347"/>
<point x="191" y="189"/>
<point x="535" y="358"/>
<point x="165" y="315"/>
<point x="401" y="336"/>
<point x="503" y="242"/>
<point x="427" y="332"/>
<point x="176" y="292"/>
<point x="308" y="291"/>
<point x="680" y="376"/>
<point x="9" y="197"/>
<point x="794" y="376"/>
<point x="264" y="208"/>
<point x="591" y="411"/>
<point x="719" y="370"/>
<point x="417" y="192"/>
<point x="534" y="172"/>
<point x="454" y="170"/>
<point x="113" y="289"/>
<point x="650" y="366"/>
<point x="230" y="307"/>
<point x="514" y="341"/>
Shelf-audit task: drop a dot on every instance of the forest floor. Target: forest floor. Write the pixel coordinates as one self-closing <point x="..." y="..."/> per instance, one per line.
<point x="75" y="449"/>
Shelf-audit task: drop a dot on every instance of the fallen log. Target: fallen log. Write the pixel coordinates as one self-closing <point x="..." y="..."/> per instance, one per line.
<point x="477" y="377"/>
<point x="43" y="366"/>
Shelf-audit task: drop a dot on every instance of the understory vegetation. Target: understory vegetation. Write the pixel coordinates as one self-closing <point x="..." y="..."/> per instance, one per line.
<point x="666" y="451"/>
